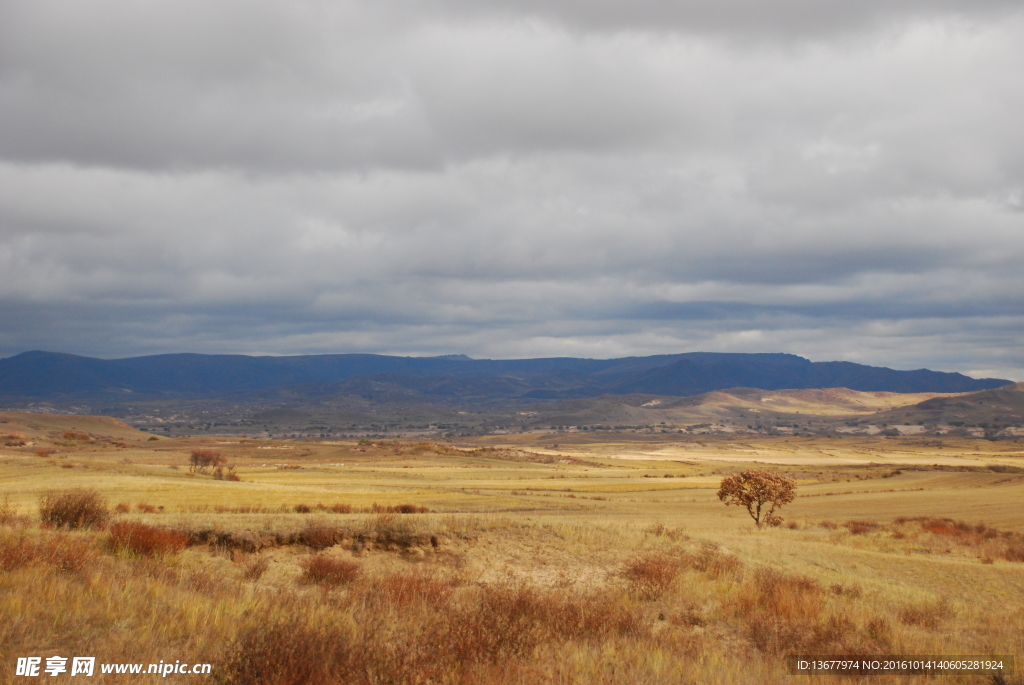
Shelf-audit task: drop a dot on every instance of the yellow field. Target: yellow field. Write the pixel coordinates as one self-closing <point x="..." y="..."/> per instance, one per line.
<point x="516" y="524"/>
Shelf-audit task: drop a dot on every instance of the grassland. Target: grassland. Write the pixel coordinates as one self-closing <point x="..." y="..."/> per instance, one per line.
<point x="541" y="559"/>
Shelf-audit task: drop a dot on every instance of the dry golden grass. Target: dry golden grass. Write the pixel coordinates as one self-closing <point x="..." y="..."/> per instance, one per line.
<point x="524" y="570"/>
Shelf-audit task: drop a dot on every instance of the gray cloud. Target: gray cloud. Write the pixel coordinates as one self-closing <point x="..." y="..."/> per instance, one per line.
<point x="515" y="179"/>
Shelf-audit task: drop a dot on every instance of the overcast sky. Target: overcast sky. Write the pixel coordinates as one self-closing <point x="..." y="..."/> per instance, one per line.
<point x="515" y="178"/>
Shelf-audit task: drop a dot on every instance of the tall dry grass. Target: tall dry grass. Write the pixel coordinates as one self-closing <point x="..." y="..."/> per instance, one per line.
<point x="666" y="611"/>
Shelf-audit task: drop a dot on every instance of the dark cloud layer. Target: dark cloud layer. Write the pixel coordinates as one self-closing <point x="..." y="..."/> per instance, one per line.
<point x="515" y="178"/>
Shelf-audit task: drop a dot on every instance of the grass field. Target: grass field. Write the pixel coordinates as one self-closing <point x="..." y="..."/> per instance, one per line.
<point x="538" y="559"/>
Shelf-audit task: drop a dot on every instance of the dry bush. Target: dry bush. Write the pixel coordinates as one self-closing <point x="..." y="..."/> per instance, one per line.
<point x="255" y="569"/>
<point x="77" y="437"/>
<point x="651" y="576"/>
<point x="861" y="526"/>
<point x="441" y="643"/>
<point x="714" y="562"/>
<point x="398" y="509"/>
<point x="122" y="508"/>
<point x="329" y="570"/>
<point x="829" y="525"/>
<point x="340" y="508"/>
<point x="853" y="590"/>
<point x="511" y="622"/>
<point x="13" y="440"/>
<point x="782" y="594"/>
<point x="320" y="536"/>
<point x="63" y="552"/>
<point x="407" y="588"/>
<point x="787" y="613"/>
<point x="143" y="540"/>
<point x="291" y="651"/>
<point x="303" y="509"/>
<point x="202" y="459"/>
<point x="146" y="508"/>
<point x="44" y="453"/>
<point x="924" y="614"/>
<point x="9" y="515"/>
<point x="1014" y="552"/>
<point x="77" y="508"/>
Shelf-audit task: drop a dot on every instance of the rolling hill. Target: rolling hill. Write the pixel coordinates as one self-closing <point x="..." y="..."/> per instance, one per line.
<point x="64" y="377"/>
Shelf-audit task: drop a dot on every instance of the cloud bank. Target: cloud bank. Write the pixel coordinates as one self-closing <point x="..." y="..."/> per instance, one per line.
<point x="515" y="178"/>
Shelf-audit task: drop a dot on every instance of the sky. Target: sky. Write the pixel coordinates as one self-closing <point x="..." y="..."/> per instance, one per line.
<point x="515" y="178"/>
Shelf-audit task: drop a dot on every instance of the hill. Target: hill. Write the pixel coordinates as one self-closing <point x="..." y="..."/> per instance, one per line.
<point x="31" y="425"/>
<point x="379" y="378"/>
<point x="989" y="409"/>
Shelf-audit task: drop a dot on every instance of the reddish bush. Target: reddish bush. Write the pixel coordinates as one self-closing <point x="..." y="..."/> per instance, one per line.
<point x="860" y="526"/>
<point x="78" y="437"/>
<point x="340" y="508"/>
<point x="44" y="453"/>
<point x="146" y="508"/>
<point x="202" y="459"/>
<point x="651" y="576"/>
<point x="122" y="508"/>
<point x="138" y="538"/>
<point x="1014" y="552"/>
<point x="402" y="589"/>
<point x="73" y="509"/>
<point x="398" y="509"/>
<point x="329" y="570"/>
<point x="319" y="536"/>
<point x="63" y="552"/>
<point x="303" y="509"/>
<point x="293" y="651"/>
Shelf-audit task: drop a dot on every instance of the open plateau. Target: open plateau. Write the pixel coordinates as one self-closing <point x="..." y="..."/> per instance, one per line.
<point x="584" y="543"/>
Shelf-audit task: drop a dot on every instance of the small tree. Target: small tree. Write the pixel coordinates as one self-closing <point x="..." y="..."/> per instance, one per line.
<point x="201" y="459"/>
<point x="756" y="489"/>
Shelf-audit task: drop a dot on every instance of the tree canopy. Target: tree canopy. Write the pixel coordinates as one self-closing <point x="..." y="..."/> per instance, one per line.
<point x="761" y="492"/>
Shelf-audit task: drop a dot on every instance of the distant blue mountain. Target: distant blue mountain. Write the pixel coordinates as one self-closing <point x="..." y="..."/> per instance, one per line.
<point x="49" y="375"/>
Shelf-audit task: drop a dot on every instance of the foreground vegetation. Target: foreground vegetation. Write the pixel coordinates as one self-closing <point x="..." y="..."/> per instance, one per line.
<point x="515" y="564"/>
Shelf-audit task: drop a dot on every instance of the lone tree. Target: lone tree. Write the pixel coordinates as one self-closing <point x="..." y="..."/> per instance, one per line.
<point x="201" y="459"/>
<point x="756" y="489"/>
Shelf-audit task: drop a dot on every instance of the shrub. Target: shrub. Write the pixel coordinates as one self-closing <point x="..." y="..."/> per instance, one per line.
<point x="77" y="437"/>
<point x="860" y="526"/>
<point x="255" y="569"/>
<point x="651" y="576"/>
<point x="340" y="508"/>
<point x="77" y="508"/>
<point x="712" y="561"/>
<point x="138" y="538"/>
<point x="202" y="459"/>
<point x="329" y="570"/>
<point x="122" y="508"/>
<point x="64" y="552"/>
<point x="146" y="508"/>
<point x="319" y="536"/>
<point x="1014" y="552"/>
<point x="398" y="509"/>
<point x="295" y="650"/>
<point x="407" y="588"/>
<point x="925" y="614"/>
<point x="44" y="453"/>
<point x="9" y="515"/>
<point x="303" y="508"/>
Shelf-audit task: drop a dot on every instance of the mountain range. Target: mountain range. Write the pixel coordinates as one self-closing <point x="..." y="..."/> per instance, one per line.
<point x="61" y="377"/>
